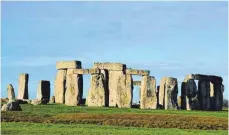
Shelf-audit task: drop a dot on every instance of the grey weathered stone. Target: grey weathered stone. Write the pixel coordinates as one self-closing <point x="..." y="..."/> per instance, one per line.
<point x="137" y="72"/>
<point x="148" y="98"/>
<point x="10" y="91"/>
<point x="23" y="86"/>
<point x="204" y="94"/>
<point x="124" y="91"/>
<point x="36" y="102"/>
<point x="98" y="89"/>
<point x="113" y="86"/>
<point x="110" y="66"/>
<point x="85" y="71"/>
<point x="43" y="91"/>
<point x="74" y="89"/>
<point x="168" y="93"/>
<point x="64" y="65"/>
<point x="60" y="86"/>
<point x="188" y="92"/>
<point x="52" y="100"/>
<point x="12" y="106"/>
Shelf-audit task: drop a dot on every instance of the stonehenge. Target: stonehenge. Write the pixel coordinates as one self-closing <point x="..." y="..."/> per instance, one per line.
<point x="207" y="96"/>
<point x="112" y="84"/>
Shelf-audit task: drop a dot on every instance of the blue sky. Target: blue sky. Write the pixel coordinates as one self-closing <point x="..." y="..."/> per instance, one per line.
<point x="167" y="38"/>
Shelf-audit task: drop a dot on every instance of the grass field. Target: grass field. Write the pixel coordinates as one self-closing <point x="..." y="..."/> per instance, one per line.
<point x="41" y="119"/>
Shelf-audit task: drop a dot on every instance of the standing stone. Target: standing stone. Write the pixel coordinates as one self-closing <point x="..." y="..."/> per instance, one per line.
<point x="148" y="93"/>
<point x="98" y="89"/>
<point x="23" y="86"/>
<point x="161" y="97"/>
<point x="113" y="86"/>
<point x="124" y="91"/>
<point x="188" y="93"/>
<point x="204" y="94"/>
<point x="74" y="89"/>
<point x="43" y="91"/>
<point x="168" y="87"/>
<point x="216" y="95"/>
<point x="10" y="91"/>
<point x="60" y="86"/>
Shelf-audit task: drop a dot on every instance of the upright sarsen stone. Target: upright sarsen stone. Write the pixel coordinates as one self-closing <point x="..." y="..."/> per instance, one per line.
<point x="124" y="91"/>
<point x="43" y="91"/>
<point x="204" y="94"/>
<point x="148" y="95"/>
<point x="168" y="93"/>
<point x="60" y="86"/>
<point x="74" y="89"/>
<point x="23" y="86"/>
<point x="10" y="91"/>
<point x="97" y="96"/>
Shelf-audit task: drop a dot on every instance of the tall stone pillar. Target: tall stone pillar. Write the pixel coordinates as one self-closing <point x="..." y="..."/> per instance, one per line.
<point x="10" y="92"/>
<point x="124" y="91"/>
<point x="204" y="94"/>
<point x="188" y="94"/>
<point x="216" y="95"/>
<point x="148" y="95"/>
<point x="60" y="86"/>
<point x="60" y="81"/>
<point x="43" y="91"/>
<point x="168" y="93"/>
<point x="23" y="86"/>
<point x="98" y="92"/>
<point x="74" y="89"/>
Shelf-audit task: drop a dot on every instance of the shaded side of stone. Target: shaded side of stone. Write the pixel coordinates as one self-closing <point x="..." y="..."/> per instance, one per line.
<point x="204" y="94"/>
<point x="43" y="91"/>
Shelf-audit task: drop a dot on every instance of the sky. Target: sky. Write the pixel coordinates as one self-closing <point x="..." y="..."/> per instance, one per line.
<point x="168" y="38"/>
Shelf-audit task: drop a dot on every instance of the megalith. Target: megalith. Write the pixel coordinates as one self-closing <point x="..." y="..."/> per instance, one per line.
<point x="148" y="97"/>
<point x="124" y="91"/>
<point x="60" y="86"/>
<point x="204" y="94"/>
<point x="43" y="91"/>
<point x="10" y="92"/>
<point x="97" y="96"/>
<point x="23" y="86"/>
<point x="168" y="93"/>
<point x="74" y="89"/>
<point x="188" y="94"/>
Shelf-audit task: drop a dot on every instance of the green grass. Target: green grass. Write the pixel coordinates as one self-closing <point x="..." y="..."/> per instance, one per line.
<point x="53" y="109"/>
<point x="12" y="128"/>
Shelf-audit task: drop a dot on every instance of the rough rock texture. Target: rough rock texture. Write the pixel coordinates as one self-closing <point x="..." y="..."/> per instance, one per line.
<point x="110" y="66"/>
<point x="74" y="89"/>
<point x="52" y="100"/>
<point x="168" y="88"/>
<point x="137" y="72"/>
<point x="60" y="86"/>
<point x="98" y="89"/>
<point x="36" y="102"/>
<point x="113" y="86"/>
<point x="148" y="98"/>
<point x="204" y="94"/>
<point x="124" y="91"/>
<point x="85" y="71"/>
<point x="216" y="95"/>
<point x="188" y="93"/>
<point x="43" y="91"/>
<point x="68" y="64"/>
<point x="11" y="106"/>
<point x="23" y="86"/>
<point x="179" y="102"/>
<point x="137" y="83"/>
<point x="10" y="91"/>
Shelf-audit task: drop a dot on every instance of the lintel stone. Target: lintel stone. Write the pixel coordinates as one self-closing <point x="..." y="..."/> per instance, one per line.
<point x="138" y="72"/>
<point x="68" y="64"/>
<point x="110" y="66"/>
